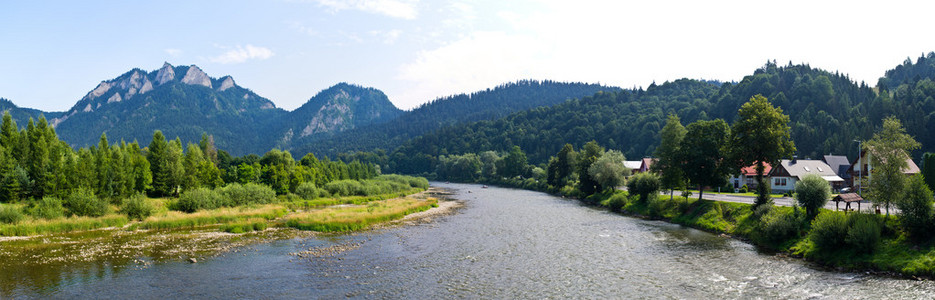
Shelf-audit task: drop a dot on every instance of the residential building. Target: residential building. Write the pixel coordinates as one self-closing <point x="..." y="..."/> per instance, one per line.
<point x="633" y="165"/>
<point x="862" y="168"/>
<point x="646" y="164"/>
<point x="784" y="176"/>
<point x="839" y="164"/>
<point x="747" y="177"/>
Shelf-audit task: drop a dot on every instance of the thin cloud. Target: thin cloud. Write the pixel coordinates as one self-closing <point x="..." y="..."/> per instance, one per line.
<point x="401" y="9"/>
<point x="242" y="54"/>
<point x="174" y="52"/>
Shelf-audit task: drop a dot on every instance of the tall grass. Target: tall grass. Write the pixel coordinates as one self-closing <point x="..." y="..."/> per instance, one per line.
<point x="175" y="219"/>
<point x="62" y="225"/>
<point x="337" y="219"/>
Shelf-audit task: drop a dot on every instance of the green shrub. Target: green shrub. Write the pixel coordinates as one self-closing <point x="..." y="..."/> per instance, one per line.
<point x="615" y="202"/>
<point x="10" y="214"/>
<point x="569" y="191"/>
<point x="812" y="192"/>
<point x="196" y="199"/>
<point x="251" y="193"/>
<point x="416" y="182"/>
<point x="344" y="188"/>
<point x="744" y="189"/>
<point x="778" y="226"/>
<point x="863" y="232"/>
<point x="829" y="231"/>
<point x="258" y="194"/>
<point x="644" y="184"/>
<point x="656" y="206"/>
<point x="916" y="208"/>
<point x="47" y="208"/>
<point x="83" y="202"/>
<point x="307" y="191"/>
<point x="137" y="207"/>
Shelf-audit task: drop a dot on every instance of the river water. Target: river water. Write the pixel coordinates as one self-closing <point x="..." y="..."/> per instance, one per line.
<point x="504" y="243"/>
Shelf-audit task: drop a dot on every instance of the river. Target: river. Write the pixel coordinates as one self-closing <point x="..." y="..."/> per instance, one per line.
<point x="504" y="243"/>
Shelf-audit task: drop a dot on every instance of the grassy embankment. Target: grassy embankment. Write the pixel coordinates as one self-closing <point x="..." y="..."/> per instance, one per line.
<point x="785" y="230"/>
<point x="341" y="210"/>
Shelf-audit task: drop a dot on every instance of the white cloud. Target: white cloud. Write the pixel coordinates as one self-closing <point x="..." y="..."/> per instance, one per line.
<point x="173" y="52"/>
<point x="479" y="61"/>
<point x="402" y="9"/>
<point x="389" y="36"/>
<point x="242" y="54"/>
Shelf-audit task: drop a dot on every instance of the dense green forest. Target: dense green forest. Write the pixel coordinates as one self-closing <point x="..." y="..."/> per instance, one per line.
<point x="828" y="112"/>
<point x="489" y="104"/>
<point x="35" y="163"/>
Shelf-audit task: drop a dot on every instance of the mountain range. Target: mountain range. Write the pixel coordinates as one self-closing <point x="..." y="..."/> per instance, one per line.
<point x="185" y="102"/>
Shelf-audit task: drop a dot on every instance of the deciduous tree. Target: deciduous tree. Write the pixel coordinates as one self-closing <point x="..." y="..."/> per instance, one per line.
<point x="760" y="135"/>
<point x="888" y="151"/>
<point x="701" y="152"/>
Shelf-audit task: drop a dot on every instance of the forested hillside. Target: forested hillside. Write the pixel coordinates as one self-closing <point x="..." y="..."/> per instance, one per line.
<point x="489" y="104"/>
<point x="828" y="112"/>
<point x="22" y="114"/>
<point x="180" y="101"/>
<point x="334" y="110"/>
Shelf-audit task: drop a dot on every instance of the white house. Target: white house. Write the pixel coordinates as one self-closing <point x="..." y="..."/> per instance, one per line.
<point x="784" y="176"/>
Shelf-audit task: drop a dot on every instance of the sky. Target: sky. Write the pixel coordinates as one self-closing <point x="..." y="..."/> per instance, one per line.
<point x="52" y="53"/>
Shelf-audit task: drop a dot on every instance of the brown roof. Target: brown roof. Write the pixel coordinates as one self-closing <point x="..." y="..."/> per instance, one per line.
<point x="848" y="197"/>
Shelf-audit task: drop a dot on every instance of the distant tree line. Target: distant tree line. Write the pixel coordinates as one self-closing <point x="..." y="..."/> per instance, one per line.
<point x="35" y="163"/>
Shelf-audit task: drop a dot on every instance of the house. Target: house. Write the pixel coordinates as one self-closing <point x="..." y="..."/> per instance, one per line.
<point x="747" y="176"/>
<point x="633" y="165"/>
<point x="784" y="176"/>
<point x="839" y="164"/>
<point x="862" y="169"/>
<point x="646" y="164"/>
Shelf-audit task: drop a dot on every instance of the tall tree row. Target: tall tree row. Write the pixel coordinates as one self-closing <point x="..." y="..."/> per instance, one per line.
<point x="35" y="163"/>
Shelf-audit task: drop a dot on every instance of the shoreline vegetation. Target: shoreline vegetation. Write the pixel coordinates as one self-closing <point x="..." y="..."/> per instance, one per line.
<point x="704" y="154"/>
<point x="327" y="214"/>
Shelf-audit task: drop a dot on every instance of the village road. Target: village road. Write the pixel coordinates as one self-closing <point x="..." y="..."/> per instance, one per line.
<point x="784" y="201"/>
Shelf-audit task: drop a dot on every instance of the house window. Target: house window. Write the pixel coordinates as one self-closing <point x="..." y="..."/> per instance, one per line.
<point x="777" y="182"/>
<point x="783" y="181"/>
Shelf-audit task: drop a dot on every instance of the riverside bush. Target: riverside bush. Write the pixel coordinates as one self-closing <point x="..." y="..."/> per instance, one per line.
<point x="344" y="188"/>
<point x="644" y="184"/>
<point x="83" y="202"/>
<point x="416" y="182"/>
<point x="916" y="207"/>
<point x="615" y="202"/>
<point x="137" y="207"/>
<point x="829" y="229"/>
<point x="778" y="226"/>
<point x="47" y="208"/>
<point x="307" y="191"/>
<point x="250" y="193"/>
<point x="863" y="232"/>
<point x="10" y="214"/>
<point x="200" y="198"/>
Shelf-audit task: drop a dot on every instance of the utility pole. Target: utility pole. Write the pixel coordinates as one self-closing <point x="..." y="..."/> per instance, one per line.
<point x="860" y="168"/>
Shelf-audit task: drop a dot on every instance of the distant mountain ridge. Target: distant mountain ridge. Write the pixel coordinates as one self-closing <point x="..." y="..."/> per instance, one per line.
<point x="184" y="102"/>
<point x="488" y="104"/>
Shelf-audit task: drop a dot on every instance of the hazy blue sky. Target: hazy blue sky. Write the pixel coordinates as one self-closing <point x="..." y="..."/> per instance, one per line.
<point x="53" y="52"/>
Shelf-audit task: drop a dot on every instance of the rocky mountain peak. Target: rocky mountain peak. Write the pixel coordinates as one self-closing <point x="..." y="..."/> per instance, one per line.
<point x="195" y="76"/>
<point x="227" y="83"/>
<point x="165" y="74"/>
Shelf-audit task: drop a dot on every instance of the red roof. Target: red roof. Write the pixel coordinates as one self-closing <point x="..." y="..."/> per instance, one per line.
<point x="751" y="170"/>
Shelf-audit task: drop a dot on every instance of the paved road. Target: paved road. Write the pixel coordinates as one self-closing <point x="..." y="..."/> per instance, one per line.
<point x="784" y="201"/>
